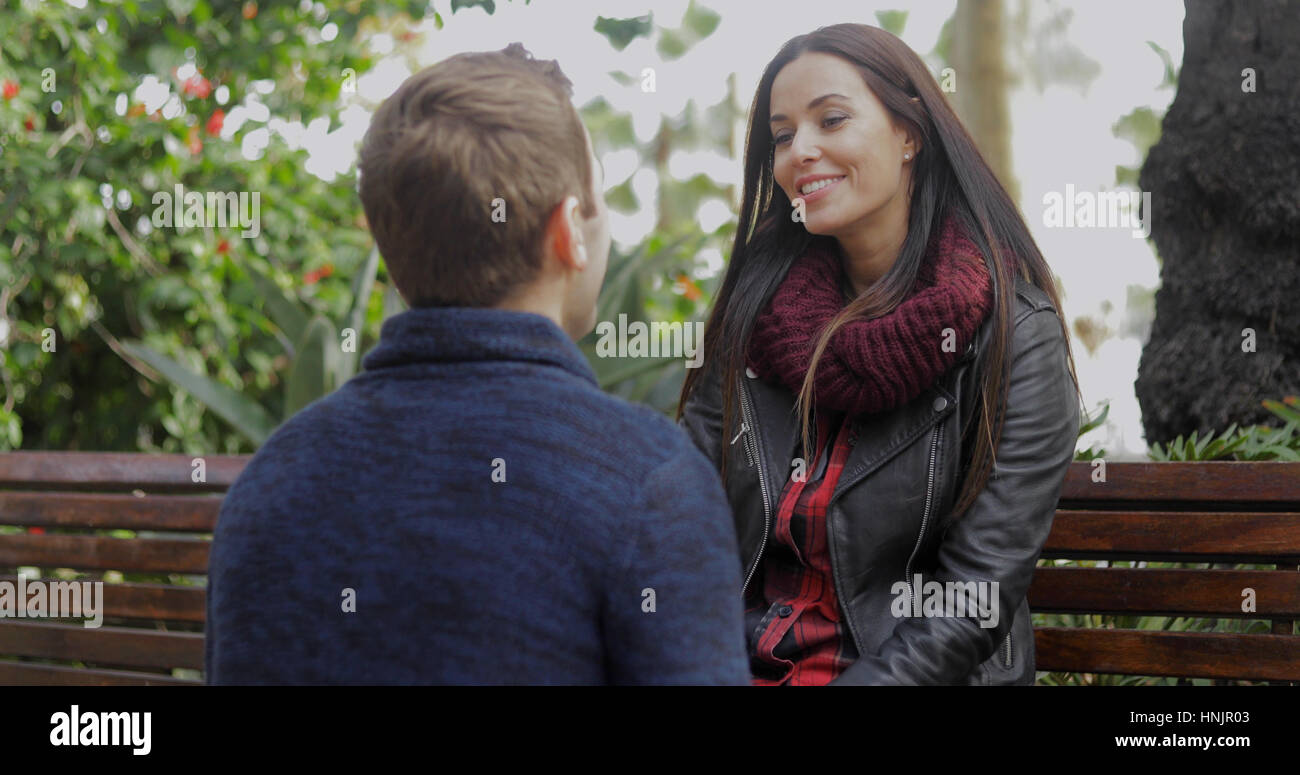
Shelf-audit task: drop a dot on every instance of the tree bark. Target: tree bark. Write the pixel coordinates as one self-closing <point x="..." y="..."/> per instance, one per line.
<point x="980" y="98"/>
<point x="1225" y="194"/>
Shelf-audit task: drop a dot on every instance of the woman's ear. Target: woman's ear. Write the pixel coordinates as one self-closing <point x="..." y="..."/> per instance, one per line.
<point x="914" y="146"/>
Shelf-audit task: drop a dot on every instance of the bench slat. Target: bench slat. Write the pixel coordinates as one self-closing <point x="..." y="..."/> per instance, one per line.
<point x="1168" y="592"/>
<point x="119" y="646"/>
<point x="1211" y="482"/>
<point x="146" y="601"/>
<point x="100" y="553"/>
<point x="178" y="513"/>
<point x="1197" y="655"/>
<point x="116" y="471"/>
<point x="27" y="674"/>
<point x="1175" y="536"/>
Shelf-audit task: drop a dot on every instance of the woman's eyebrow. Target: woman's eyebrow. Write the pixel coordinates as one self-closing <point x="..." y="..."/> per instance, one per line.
<point x="816" y="101"/>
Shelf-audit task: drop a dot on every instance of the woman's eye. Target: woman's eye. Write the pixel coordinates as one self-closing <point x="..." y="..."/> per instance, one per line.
<point x="828" y="122"/>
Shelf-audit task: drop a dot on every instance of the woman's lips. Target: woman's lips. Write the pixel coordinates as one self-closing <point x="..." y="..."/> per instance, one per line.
<point x="821" y="192"/>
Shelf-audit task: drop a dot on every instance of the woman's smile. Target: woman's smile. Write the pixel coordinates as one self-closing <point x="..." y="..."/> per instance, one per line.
<point x="818" y="189"/>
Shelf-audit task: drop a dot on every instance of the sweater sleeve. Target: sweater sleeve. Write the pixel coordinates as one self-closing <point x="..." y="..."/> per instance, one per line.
<point x="672" y="611"/>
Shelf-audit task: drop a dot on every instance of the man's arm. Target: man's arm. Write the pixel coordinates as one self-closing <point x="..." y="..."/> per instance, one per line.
<point x="673" y="612"/>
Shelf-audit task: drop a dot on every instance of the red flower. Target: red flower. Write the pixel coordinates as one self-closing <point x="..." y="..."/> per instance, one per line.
<point x="223" y="247"/>
<point x="36" y="531"/>
<point x="314" y="276"/>
<point x="197" y="86"/>
<point x="30" y="124"/>
<point x="215" y="123"/>
<point x="689" y="289"/>
<point x="196" y="145"/>
<point x="10" y="90"/>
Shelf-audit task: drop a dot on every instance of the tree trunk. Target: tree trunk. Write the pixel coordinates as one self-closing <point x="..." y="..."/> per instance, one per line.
<point x="977" y="56"/>
<point x="1225" y="193"/>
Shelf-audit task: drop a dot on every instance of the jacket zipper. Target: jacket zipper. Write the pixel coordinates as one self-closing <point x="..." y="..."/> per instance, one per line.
<point x="747" y="425"/>
<point x="925" y="518"/>
<point x="743" y="427"/>
<point x="835" y="572"/>
<point x="1007" y="660"/>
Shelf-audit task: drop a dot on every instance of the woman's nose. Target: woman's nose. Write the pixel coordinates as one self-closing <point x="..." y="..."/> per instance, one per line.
<point x="804" y="147"/>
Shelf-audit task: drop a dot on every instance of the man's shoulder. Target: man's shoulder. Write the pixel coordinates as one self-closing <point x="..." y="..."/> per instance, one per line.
<point x="634" y="426"/>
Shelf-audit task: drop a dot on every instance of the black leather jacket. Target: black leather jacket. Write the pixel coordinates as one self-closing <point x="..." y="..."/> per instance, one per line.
<point x="889" y="515"/>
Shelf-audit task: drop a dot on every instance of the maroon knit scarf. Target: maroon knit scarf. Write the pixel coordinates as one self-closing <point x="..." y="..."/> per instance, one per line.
<point x="879" y="364"/>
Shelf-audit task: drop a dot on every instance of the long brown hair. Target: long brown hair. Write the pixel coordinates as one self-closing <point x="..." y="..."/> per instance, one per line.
<point x="949" y="176"/>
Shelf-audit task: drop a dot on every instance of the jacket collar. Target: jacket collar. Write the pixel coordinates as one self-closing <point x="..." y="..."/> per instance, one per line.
<point x="890" y="432"/>
<point x="474" y="334"/>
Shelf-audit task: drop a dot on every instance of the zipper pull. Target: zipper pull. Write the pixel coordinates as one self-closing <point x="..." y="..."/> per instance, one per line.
<point x="743" y="427"/>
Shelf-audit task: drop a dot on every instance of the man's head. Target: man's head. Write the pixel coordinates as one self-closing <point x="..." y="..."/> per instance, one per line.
<point x="479" y="184"/>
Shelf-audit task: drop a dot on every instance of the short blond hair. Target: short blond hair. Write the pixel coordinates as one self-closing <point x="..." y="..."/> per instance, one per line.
<point x="451" y="141"/>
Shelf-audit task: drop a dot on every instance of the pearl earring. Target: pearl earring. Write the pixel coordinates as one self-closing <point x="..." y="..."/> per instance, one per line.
<point x="907" y="155"/>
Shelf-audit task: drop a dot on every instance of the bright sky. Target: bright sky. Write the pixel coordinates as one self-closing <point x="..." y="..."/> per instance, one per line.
<point x="1061" y="136"/>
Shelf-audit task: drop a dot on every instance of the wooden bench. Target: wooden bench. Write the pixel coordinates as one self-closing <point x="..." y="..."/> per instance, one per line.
<point x="62" y="513"/>
<point x="1207" y="513"/>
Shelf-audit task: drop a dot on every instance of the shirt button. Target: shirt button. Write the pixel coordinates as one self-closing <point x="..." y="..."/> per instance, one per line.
<point x="940" y="404"/>
<point x="785" y="611"/>
<point x="750" y="373"/>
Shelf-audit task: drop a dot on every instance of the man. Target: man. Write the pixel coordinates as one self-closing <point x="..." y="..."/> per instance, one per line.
<point x="472" y="508"/>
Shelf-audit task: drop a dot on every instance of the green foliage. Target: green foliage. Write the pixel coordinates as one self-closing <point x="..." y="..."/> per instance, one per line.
<point x="659" y="279"/>
<point x="1087" y="424"/>
<point x="94" y="297"/>
<point x="698" y="24"/>
<point x="321" y="358"/>
<point x="621" y="32"/>
<point x="1255" y="442"/>
<point x="1170" y="80"/>
<point x="1142" y="125"/>
<point x="892" y="21"/>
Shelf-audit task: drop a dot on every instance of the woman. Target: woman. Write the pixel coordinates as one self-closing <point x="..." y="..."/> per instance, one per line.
<point x="885" y="316"/>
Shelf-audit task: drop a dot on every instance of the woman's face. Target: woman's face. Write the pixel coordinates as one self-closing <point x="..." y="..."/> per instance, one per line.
<point x="828" y="126"/>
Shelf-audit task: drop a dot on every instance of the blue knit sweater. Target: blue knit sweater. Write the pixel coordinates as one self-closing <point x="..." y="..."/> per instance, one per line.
<point x="473" y="509"/>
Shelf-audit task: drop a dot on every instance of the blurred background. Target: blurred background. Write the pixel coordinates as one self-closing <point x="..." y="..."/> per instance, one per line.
<point x="121" y="336"/>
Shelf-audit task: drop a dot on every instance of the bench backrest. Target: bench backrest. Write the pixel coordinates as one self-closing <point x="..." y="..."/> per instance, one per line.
<point x="145" y="522"/>
<point x="1207" y="513"/>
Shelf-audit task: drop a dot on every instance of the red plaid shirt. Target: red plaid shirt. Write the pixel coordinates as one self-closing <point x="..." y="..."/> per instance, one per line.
<point x="797" y="633"/>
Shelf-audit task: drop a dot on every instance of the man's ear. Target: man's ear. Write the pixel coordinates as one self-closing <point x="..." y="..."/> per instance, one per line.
<point x="564" y="234"/>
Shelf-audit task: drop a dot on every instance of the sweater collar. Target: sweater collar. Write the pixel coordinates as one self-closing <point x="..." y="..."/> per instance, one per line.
<point x="463" y="334"/>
